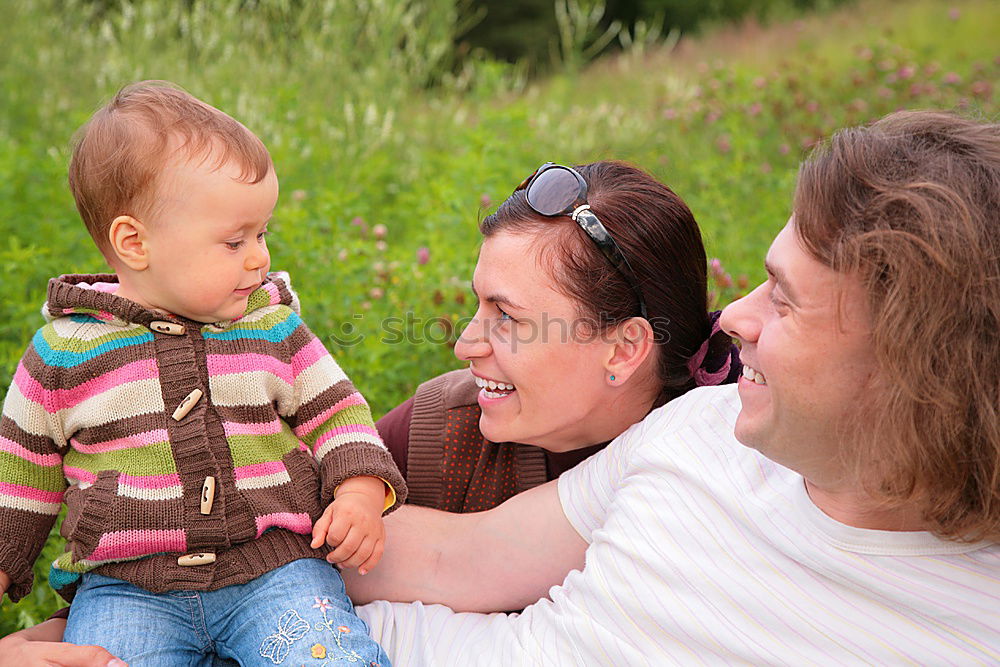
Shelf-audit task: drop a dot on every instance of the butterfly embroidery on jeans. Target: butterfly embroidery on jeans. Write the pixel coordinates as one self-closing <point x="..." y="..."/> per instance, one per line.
<point x="291" y="628"/>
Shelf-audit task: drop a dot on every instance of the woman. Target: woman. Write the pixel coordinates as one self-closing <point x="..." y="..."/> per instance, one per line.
<point x="580" y="331"/>
<point x="577" y="348"/>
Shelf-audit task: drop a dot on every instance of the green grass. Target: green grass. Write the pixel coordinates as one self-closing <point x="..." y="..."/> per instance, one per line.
<point x="371" y="123"/>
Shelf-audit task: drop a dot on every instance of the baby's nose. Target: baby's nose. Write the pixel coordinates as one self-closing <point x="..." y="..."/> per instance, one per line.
<point x="255" y="260"/>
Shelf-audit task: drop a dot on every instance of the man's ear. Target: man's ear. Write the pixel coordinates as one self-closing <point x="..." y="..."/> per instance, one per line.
<point x="633" y="342"/>
<point x="128" y="237"/>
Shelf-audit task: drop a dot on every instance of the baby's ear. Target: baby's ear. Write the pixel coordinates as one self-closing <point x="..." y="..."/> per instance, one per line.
<point x="128" y="242"/>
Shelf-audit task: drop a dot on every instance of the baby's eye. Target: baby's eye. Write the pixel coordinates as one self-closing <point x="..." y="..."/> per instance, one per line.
<point x="262" y="235"/>
<point x="234" y="245"/>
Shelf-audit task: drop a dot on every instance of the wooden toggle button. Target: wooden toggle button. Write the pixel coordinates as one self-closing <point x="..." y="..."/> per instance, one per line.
<point x="207" y="495"/>
<point x="171" y="328"/>
<point x="184" y="407"/>
<point x="188" y="560"/>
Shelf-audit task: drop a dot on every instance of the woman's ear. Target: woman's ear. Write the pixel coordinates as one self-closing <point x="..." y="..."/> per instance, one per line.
<point x="128" y="239"/>
<point x="632" y="342"/>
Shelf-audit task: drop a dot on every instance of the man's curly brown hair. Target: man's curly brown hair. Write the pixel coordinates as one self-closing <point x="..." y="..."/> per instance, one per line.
<point x="911" y="205"/>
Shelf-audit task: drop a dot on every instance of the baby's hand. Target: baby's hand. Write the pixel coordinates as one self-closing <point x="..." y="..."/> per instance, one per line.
<point x="353" y="524"/>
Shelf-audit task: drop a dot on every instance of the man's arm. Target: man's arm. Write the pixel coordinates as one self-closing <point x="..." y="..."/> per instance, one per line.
<point x="498" y="560"/>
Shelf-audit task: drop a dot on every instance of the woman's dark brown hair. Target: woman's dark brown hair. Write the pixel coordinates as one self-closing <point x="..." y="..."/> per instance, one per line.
<point x="661" y="240"/>
<point x="911" y="206"/>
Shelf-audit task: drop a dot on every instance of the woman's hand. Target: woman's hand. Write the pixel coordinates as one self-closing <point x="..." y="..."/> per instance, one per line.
<point x="40" y="645"/>
<point x="352" y="524"/>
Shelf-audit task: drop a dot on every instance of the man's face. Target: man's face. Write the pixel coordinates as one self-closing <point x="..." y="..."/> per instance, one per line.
<point x="805" y="337"/>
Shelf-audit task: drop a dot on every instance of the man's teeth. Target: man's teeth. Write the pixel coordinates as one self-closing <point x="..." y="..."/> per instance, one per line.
<point x="491" y="385"/>
<point x="754" y="376"/>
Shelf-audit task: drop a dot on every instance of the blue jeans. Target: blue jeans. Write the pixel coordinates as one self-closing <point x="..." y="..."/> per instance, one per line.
<point x="297" y="614"/>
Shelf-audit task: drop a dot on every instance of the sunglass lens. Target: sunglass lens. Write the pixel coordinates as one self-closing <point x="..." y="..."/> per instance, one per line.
<point x="553" y="191"/>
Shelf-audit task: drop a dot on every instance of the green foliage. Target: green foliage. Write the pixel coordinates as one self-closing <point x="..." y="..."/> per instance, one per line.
<point x="581" y="33"/>
<point x="533" y="31"/>
<point x="688" y="15"/>
<point x="389" y="151"/>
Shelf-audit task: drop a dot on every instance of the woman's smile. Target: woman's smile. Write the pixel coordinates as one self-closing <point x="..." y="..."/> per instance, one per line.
<point x="493" y="390"/>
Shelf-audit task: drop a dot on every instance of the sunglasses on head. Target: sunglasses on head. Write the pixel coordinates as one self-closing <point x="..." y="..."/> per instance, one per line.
<point x="555" y="190"/>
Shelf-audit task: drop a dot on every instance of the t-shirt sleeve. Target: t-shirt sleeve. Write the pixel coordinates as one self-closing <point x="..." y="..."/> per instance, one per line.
<point x="421" y="635"/>
<point x="586" y="490"/>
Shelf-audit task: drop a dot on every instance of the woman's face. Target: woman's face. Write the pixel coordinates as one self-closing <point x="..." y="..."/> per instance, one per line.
<point x="551" y="387"/>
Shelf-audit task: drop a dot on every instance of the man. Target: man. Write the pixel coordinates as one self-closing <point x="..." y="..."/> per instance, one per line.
<point x="840" y="505"/>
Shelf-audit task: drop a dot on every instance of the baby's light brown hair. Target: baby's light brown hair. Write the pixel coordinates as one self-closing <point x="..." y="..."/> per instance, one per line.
<point x="120" y="152"/>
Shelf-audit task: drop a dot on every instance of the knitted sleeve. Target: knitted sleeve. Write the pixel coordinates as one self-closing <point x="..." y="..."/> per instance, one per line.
<point x="31" y="475"/>
<point x="333" y="419"/>
<point x="394" y="428"/>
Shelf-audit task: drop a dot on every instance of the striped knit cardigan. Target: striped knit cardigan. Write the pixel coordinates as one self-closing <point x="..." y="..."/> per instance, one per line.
<point x="89" y="420"/>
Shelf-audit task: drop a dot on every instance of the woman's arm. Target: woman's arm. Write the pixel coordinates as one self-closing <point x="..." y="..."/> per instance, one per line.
<point x="39" y="645"/>
<point x="503" y="558"/>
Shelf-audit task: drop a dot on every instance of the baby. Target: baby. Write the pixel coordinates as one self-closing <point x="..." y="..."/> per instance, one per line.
<point x="207" y="445"/>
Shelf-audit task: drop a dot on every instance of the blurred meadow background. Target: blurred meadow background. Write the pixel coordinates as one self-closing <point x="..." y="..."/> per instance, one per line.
<point x="395" y="125"/>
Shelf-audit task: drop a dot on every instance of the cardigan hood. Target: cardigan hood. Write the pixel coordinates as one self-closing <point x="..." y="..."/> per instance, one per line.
<point x="94" y="295"/>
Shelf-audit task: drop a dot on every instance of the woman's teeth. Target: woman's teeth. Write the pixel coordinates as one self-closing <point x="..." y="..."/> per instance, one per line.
<point x="493" y="389"/>
<point x="754" y="376"/>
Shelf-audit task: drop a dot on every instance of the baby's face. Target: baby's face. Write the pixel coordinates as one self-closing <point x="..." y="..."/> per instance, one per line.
<point x="206" y="241"/>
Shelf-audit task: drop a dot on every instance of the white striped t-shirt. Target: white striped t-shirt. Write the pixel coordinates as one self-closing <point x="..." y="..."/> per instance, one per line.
<point x="702" y="551"/>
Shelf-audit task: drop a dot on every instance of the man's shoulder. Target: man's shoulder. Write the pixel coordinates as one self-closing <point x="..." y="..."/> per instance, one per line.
<point x="697" y="422"/>
<point x="715" y="406"/>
